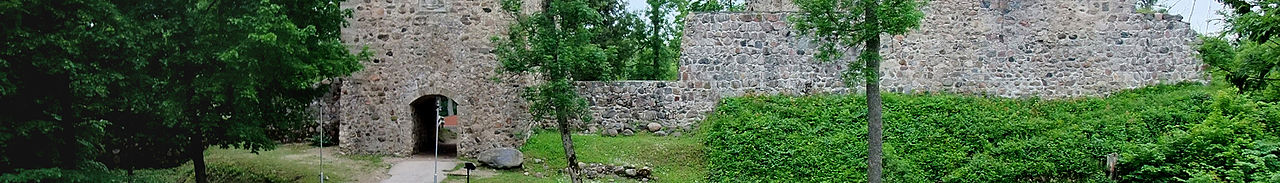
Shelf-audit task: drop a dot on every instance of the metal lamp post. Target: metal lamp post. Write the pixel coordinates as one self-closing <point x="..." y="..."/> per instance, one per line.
<point x="435" y="162"/>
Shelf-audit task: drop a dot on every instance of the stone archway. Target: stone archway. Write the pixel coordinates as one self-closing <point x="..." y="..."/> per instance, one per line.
<point x="429" y="110"/>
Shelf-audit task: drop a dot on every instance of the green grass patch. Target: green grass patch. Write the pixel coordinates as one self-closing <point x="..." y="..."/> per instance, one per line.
<point x="287" y="163"/>
<point x="674" y="159"/>
<point x="942" y="137"/>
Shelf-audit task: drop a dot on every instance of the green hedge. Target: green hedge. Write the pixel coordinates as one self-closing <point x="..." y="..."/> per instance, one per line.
<point x="950" y="138"/>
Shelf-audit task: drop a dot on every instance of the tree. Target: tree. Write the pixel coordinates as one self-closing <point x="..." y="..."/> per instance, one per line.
<point x="192" y="74"/>
<point x="1151" y="6"/>
<point x="1248" y="61"/>
<point x="1147" y="4"/>
<point x="550" y="44"/>
<point x="59" y="64"/>
<point x="239" y="69"/>
<point x="840" y="25"/>
<point x="658" y="56"/>
<point x="616" y="33"/>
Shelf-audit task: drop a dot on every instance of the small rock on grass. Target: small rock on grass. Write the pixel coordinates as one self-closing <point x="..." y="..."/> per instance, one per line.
<point x="610" y="132"/>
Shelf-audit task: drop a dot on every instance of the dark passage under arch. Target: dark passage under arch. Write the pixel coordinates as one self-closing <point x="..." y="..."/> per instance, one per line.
<point x="427" y="111"/>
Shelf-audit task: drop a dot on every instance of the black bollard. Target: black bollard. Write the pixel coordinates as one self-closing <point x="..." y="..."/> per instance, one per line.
<point x="469" y="167"/>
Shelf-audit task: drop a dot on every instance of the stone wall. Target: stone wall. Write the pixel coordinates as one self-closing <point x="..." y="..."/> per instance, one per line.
<point x="427" y="47"/>
<point x="1009" y="48"/>
<point x="677" y="106"/>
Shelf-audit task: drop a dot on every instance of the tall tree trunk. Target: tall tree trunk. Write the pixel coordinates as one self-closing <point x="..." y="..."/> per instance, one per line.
<point x="567" y="140"/>
<point x="654" y="42"/>
<point x="875" y="137"/>
<point x="197" y="158"/>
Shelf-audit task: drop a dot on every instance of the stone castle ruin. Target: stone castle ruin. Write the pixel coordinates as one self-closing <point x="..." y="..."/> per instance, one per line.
<point x="433" y="63"/>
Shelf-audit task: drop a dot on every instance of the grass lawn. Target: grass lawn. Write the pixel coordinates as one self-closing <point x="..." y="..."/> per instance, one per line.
<point x="674" y="159"/>
<point x="286" y="163"/>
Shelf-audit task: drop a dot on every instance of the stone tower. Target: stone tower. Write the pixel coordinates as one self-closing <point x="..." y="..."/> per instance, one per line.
<point x="429" y="51"/>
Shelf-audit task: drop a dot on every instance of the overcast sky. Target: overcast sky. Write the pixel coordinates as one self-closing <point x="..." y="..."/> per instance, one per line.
<point x="1202" y="14"/>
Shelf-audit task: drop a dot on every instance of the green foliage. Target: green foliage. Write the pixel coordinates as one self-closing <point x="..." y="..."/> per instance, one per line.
<point x="230" y="92"/>
<point x="323" y="141"/>
<point x="945" y="138"/>
<point x="125" y="82"/>
<point x="1147" y="3"/>
<point x="58" y="65"/>
<point x="625" y="41"/>
<point x="552" y="43"/>
<point x="1247" y="65"/>
<point x="1150" y="7"/>
<point x="838" y="26"/>
<point x="1248" y="61"/>
<point x="687" y="6"/>
<point x="88" y="172"/>
<point x="1235" y="143"/>
<point x="658" y="53"/>
<point x="1256" y="20"/>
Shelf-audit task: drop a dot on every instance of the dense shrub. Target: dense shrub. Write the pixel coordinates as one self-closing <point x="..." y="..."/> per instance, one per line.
<point x="1236" y="143"/>
<point x="949" y="138"/>
<point x="89" y="172"/>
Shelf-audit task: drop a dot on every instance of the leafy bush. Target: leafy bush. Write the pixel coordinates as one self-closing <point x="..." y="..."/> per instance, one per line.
<point x="943" y="137"/>
<point x="323" y="141"/>
<point x="86" y="172"/>
<point x="1234" y="144"/>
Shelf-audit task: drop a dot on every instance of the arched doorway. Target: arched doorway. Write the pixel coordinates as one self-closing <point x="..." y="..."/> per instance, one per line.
<point x="428" y="111"/>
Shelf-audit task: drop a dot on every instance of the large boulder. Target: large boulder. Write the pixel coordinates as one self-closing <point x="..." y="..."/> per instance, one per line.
<point x="501" y="158"/>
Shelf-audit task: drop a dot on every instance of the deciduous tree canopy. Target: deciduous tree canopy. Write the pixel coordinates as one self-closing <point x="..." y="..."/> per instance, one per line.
<point x="82" y="77"/>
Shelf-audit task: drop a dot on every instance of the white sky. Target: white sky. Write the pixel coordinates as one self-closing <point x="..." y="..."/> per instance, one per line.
<point x="1202" y="14"/>
<point x="637" y="5"/>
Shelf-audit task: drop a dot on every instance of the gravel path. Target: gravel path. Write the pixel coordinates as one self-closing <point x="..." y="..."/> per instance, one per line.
<point x="418" y="170"/>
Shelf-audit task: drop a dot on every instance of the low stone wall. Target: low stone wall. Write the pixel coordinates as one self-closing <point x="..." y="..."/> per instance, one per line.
<point x="676" y="106"/>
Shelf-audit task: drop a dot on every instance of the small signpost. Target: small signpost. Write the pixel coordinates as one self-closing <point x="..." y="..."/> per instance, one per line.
<point x="469" y="166"/>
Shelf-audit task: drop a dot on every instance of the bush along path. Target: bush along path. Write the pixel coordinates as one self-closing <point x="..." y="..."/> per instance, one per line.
<point x="1168" y="133"/>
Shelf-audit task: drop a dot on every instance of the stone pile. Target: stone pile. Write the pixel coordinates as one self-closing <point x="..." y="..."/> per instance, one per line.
<point x="604" y="171"/>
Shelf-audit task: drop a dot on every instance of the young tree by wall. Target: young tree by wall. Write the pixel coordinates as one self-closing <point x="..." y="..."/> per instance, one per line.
<point x="840" y="26"/>
<point x="550" y="44"/>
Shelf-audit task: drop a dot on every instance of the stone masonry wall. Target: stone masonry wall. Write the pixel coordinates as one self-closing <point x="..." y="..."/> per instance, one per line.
<point x="421" y="48"/>
<point x="678" y="106"/>
<point x="1009" y="48"/>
